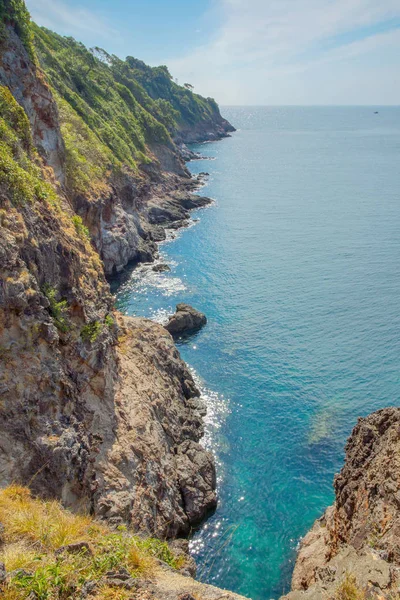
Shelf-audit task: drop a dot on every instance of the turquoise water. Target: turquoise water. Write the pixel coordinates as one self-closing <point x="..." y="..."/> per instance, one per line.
<point x="297" y="266"/>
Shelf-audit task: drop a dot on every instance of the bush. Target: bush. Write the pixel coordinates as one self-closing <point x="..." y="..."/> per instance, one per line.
<point x="57" y="309"/>
<point x="81" y="229"/>
<point x="90" y="332"/>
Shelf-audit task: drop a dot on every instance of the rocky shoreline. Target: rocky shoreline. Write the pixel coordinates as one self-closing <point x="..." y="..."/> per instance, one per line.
<point x="353" y="550"/>
<point x="97" y="410"/>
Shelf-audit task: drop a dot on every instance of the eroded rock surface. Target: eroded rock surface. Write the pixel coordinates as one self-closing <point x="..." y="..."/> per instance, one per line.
<point x="185" y="319"/>
<point x="152" y="472"/>
<point x="360" y="534"/>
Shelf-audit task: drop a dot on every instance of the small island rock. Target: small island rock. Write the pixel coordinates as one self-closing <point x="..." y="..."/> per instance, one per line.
<point x="185" y="319"/>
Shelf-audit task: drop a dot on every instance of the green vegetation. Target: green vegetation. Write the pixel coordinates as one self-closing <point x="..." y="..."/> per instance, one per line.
<point x="15" y="13"/>
<point x="109" y="321"/>
<point x="35" y="529"/>
<point x="190" y="108"/>
<point x="110" y="111"/>
<point x="87" y="160"/>
<point x="81" y="229"/>
<point x="90" y="332"/>
<point x="58" y="309"/>
<point x="19" y="173"/>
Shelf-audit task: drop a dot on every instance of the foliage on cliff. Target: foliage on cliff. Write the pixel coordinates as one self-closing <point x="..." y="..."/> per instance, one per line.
<point x="20" y="176"/>
<point x="15" y="13"/>
<point x="158" y="82"/>
<point x="52" y="553"/>
<point x="107" y="107"/>
<point x="126" y="104"/>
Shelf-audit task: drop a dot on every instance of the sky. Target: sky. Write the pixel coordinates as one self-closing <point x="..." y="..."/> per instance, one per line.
<point x="249" y="52"/>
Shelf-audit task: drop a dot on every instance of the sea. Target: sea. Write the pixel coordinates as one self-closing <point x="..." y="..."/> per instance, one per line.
<point x="297" y="267"/>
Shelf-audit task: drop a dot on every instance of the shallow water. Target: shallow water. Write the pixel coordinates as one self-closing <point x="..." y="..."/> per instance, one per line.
<point x="297" y="266"/>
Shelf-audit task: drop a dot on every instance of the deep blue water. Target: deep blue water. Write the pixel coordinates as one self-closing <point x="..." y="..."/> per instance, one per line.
<point x="297" y="266"/>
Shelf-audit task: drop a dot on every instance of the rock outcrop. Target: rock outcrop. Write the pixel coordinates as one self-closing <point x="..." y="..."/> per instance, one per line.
<point x="185" y="320"/>
<point x="151" y="470"/>
<point x="358" y="538"/>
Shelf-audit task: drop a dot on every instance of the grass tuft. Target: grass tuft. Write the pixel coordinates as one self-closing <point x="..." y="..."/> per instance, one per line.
<point x="348" y="589"/>
<point x="34" y="530"/>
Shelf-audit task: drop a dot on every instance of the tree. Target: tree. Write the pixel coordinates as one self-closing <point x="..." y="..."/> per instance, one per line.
<point x="188" y="86"/>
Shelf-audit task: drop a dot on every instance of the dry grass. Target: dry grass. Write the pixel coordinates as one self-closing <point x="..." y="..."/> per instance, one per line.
<point x="35" y="529"/>
<point x="349" y="590"/>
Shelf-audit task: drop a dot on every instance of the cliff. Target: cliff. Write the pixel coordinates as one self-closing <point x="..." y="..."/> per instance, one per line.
<point x="96" y="410"/>
<point x="56" y="554"/>
<point x="353" y="551"/>
<point x="123" y="169"/>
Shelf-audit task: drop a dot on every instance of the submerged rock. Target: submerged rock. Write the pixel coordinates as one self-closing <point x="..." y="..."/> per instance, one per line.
<point x="160" y="268"/>
<point x="185" y="319"/>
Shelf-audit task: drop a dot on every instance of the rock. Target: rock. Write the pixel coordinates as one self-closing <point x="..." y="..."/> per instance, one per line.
<point x="2" y="532"/>
<point x="150" y="471"/>
<point x="88" y="588"/>
<point x="121" y="579"/>
<point x="161" y="267"/>
<point x="185" y="320"/>
<point x="77" y="548"/>
<point x="167" y="584"/>
<point x="3" y="573"/>
<point x="180" y="548"/>
<point x="187" y="154"/>
<point x="193" y="201"/>
<point x="179" y="224"/>
<point x="360" y="534"/>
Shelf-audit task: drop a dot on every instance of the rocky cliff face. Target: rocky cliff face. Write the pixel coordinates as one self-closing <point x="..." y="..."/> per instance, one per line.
<point x="95" y="410"/>
<point x="356" y="544"/>
<point x="110" y="120"/>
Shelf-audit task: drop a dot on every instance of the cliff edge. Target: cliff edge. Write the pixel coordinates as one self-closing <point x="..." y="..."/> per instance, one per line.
<point x="354" y="548"/>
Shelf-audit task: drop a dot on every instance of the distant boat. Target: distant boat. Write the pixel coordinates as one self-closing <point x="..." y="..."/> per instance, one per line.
<point x="376" y="112"/>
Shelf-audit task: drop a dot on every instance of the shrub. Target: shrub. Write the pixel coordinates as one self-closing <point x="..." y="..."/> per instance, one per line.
<point x="81" y="229"/>
<point x="90" y="332"/>
<point x="109" y="321"/>
<point x="58" y="308"/>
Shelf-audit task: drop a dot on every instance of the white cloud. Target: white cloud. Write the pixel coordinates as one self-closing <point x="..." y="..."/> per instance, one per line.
<point x="68" y="20"/>
<point x="270" y="51"/>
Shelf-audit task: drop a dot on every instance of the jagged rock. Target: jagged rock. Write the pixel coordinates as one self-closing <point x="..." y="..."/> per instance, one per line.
<point x="3" y="573"/>
<point x="121" y="579"/>
<point x="360" y="533"/>
<point x="192" y="201"/>
<point x="150" y="471"/>
<point x="180" y="548"/>
<point x="187" y="154"/>
<point x="161" y="267"/>
<point x="185" y="319"/>
<point x="30" y="89"/>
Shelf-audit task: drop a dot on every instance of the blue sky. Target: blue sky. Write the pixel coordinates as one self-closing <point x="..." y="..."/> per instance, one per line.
<point x="249" y="51"/>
